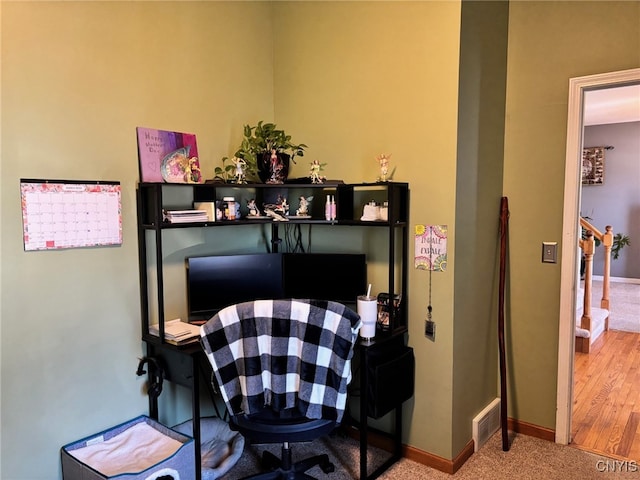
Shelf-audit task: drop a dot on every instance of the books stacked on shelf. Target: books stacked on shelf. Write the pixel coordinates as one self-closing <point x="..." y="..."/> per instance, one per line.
<point x="177" y="332"/>
<point x="185" y="216"/>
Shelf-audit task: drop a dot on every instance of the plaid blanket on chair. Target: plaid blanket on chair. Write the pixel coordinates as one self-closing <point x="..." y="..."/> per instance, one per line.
<point x="283" y="353"/>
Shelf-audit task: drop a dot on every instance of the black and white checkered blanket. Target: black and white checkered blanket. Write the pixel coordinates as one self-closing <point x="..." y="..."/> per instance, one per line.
<point x="283" y="353"/>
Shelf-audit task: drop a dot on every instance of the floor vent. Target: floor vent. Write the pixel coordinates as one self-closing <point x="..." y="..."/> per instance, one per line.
<point x="486" y="423"/>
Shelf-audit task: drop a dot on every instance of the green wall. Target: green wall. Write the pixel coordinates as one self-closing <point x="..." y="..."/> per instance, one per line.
<point x="352" y="80"/>
<point x="77" y="78"/>
<point x="483" y="59"/>
<point x="549" y="42"/>
<point x="362" y="78"/>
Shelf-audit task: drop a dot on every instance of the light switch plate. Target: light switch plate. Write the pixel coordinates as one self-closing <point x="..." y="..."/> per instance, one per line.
<point x="549" y="252"/>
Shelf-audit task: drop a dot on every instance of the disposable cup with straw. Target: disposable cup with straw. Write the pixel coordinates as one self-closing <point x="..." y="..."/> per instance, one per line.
<point x="368" y="311"/>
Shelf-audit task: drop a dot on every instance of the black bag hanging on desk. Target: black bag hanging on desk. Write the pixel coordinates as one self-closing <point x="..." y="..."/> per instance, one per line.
<point x="391" y="371"/>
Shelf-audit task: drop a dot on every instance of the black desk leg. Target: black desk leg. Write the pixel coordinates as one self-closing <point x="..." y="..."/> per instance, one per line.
<point x="195" y="399"/>
<point x="364" y="399"/>
<point x="398" y="433"/>
<point x="364" y="429"/>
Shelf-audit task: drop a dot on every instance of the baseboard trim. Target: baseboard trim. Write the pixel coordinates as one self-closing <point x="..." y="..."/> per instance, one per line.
<point x="436" y="462"/>
<point x="531" y="430"/>
<point x="618" y="279"/>
<point x="383" y="442"/>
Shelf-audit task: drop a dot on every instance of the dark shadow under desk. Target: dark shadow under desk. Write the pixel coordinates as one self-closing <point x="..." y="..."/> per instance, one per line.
<point x="377" y="362"/>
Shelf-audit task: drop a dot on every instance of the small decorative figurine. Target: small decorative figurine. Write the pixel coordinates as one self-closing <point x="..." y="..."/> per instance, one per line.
<point x="314" y="173"/>
<point x="284" y="206"/>
<point x="383" y="160"/>
<point x="278" y="211"/>
<point x="276" y="167"/>
<point x="240" y="166"/>
<point x="253" y="208"/>
<point x="192" y="170"/>
<point x="303" y="209"/>
<point x="281" y="206"/>
<point x="276" y="216"/>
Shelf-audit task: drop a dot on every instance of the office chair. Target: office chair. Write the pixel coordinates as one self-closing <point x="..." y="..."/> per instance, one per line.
<point x="283" y="367"/>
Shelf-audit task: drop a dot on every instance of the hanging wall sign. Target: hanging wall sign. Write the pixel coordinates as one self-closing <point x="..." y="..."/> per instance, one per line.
<point x="431" y="247"/>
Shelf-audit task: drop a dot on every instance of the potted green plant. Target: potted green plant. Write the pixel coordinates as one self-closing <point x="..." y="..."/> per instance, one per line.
<point x="266" y="151"/>
<point x="619" y="242"/>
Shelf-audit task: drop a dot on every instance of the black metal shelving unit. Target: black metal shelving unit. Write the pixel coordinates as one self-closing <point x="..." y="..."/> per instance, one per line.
<point x="184" y="364"/>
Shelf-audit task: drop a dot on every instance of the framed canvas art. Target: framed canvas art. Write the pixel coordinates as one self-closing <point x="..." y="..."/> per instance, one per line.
<point x="170" y="157"/>
<point x="593" y="166"/>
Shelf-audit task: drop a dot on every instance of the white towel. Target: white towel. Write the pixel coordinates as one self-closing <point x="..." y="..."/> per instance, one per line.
<point x="131" y="451"/>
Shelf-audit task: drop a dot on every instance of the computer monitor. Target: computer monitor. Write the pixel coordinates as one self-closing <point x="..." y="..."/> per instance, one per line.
<point x="214" y="282"/>
<point x="217" y="281"/>
<point x="325" y="276"/>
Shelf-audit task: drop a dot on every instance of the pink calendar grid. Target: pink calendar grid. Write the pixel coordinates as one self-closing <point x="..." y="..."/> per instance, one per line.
<point x="58" y="215"/>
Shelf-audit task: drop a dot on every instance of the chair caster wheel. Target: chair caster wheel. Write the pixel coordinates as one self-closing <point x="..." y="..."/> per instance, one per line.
<point x="269" y="461"/>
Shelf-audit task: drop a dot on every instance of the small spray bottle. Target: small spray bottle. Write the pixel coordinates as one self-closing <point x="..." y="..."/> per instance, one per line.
<point x="327" y="209"/>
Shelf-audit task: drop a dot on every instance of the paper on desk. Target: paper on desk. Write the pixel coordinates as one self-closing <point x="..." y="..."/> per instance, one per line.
<point x="176" y="330"/>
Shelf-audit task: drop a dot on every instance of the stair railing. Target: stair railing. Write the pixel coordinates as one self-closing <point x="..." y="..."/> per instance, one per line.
<point x="606" y="239"/>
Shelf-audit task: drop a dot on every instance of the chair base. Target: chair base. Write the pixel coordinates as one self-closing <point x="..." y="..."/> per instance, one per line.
<point x="283" y="469"/>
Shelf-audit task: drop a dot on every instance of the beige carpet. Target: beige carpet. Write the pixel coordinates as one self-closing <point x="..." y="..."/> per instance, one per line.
<point x="624" y="305"/>
<point x="528" y="458"/>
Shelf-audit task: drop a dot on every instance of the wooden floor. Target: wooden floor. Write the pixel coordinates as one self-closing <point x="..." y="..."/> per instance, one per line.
<point x="606" y="409"/>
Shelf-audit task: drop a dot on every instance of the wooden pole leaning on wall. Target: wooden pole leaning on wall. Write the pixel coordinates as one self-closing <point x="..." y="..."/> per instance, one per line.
<point x="504" y="226"/>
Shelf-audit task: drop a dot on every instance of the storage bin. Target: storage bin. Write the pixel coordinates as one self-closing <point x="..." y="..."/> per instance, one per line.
<point x="391" y="376"/>
<point x="140" y="449"/>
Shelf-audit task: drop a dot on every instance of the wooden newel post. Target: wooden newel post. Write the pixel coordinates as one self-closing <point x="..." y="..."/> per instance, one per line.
<point x="607" y="241"/>
<point x="588" y="247"/>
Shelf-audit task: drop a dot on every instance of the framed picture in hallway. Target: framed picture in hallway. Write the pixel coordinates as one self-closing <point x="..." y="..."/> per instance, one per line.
<point x="593" y="166"/>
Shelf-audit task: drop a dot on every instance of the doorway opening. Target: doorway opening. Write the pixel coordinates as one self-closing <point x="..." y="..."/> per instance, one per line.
<point x="570" y="231"/>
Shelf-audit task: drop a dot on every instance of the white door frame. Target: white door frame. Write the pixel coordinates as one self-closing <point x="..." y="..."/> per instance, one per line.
<point x="569" y="263"/>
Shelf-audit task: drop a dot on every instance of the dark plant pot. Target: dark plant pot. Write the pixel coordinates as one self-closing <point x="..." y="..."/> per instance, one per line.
<point x="273" y="170"/>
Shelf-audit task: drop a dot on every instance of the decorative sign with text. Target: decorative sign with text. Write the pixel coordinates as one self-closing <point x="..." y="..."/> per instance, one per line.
<point x="431" y="247"/>
<point x="170" y="157"/>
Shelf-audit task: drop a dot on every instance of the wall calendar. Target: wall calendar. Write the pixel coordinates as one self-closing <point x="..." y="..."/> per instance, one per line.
<point x="58" y="214"/>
